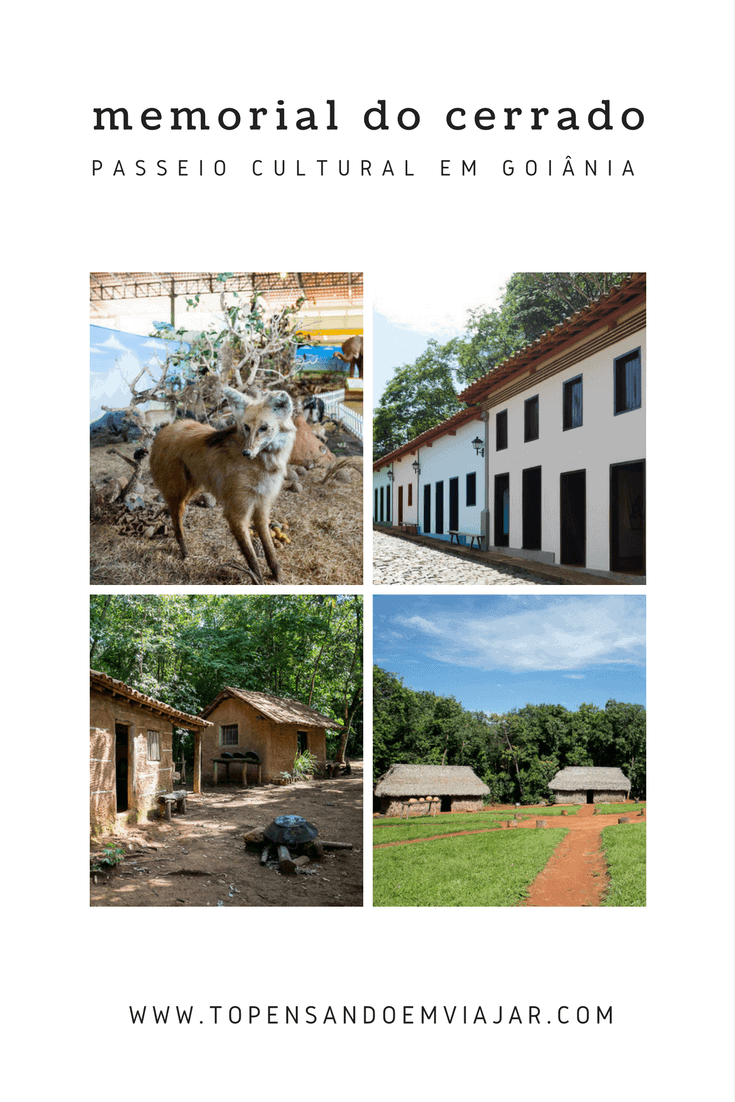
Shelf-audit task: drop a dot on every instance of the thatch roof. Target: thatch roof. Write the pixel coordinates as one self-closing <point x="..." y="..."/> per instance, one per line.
<point x="111" y="686"/>
<point x="576" y="778"/>
<point x="430" y="780"/>
<point x="277" y="708"/>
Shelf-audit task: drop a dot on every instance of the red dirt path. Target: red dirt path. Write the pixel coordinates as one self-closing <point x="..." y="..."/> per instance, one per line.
<point x="575" y="875"/>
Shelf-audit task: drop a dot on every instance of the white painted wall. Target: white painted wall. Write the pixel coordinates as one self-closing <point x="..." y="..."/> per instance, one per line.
<point x="601" y="440"/>
<point x="450" y="457"/>
<point x="404" y="476"/>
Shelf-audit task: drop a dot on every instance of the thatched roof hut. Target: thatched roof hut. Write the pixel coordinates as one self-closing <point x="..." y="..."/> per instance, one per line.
<point x="457" y="786"/>
<point x="589" y="784"/>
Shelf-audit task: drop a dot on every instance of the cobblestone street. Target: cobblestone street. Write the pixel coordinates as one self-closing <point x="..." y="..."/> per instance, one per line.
<point x="399" y="562"/>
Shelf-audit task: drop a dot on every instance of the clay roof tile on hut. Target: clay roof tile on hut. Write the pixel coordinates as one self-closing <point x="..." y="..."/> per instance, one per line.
<point x="279" y="709"/>
<point x="106" y="684"/>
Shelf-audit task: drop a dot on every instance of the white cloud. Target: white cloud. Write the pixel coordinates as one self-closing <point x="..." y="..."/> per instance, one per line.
<point x="421" y="624"/>
<point x="559" y="634"/>
<point x="436" y="307"/>
<point x="112" y="344"/>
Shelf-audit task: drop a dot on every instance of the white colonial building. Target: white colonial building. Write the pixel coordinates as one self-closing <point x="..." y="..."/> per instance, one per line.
<point x="562" y="428"/>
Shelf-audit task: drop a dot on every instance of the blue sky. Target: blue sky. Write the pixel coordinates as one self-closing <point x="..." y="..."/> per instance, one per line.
<point x="494" y="653"/>
<point x="115" y="360"/>
<point x="407" y="314"/>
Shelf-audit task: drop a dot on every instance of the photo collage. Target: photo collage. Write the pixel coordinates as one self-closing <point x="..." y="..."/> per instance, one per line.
<point x="420" y="689"/>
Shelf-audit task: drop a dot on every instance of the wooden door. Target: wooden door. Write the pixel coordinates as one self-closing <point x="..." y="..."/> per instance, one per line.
<point x="628" y="517"/>
<point x="439" y="509"/>
<point x="502" y="510"/>
<point x="453" y="504"/>
<point x="573" y="509"/>
<point x="532" y="509"/>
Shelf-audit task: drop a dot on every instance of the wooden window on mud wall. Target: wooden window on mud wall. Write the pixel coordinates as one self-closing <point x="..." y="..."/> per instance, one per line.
<point x="228" y="735"/>
<point x="410" y="493"/>
<point x="154" y="746"/>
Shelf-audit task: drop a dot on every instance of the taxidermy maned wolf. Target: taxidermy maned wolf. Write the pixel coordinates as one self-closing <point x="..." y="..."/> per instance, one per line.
<point x="243" y="467"/>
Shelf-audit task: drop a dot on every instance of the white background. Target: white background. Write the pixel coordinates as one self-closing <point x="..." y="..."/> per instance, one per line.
<point x="666" y="969"/>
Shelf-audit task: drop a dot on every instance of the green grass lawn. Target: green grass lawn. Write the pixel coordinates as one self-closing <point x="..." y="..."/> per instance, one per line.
<point x="624" y="848"/>
<point x="491" y="812"/>
<point x="476" y="870"/>
<point x="619" y="809"/>
<point x="398" y="830"/>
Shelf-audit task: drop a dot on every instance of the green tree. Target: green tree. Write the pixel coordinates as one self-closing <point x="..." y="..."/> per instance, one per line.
<point x="184" y="649"/>
<point x="423" y="394"/>
<point x="516" y="753"/>
<point x="419" y="396"/>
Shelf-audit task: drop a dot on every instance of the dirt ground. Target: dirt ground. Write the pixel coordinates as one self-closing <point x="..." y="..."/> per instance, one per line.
<point x="324" y="526"/>
<point x="200" y="860"/>
<point x="575" y="875"/>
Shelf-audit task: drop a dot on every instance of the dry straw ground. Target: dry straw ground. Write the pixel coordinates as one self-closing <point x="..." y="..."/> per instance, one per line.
<point x="324" y="526"/>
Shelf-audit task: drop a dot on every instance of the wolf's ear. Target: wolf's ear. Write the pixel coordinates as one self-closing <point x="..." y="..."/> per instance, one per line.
<point x="237" y="401"/>
<point x="280" y="403"/>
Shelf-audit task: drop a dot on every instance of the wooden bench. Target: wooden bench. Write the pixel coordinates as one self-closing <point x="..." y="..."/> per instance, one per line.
<point x="410" y="529"/>
<point x="170" y="798"/>
<point x="471" y="536"/>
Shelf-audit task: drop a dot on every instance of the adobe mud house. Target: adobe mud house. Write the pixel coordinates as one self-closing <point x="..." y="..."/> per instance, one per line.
<point x="587" y="784"/>
<point x="547" y="462"/>
<point x="457" y="786"/>
<point x="267" y="731"/>
<point x="131" y="750"/>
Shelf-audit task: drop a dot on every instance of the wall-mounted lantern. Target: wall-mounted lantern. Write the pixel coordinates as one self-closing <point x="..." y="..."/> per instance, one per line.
<point x="416" y="466"/>
<point x="479" y="446"/>
<point x="391" y="476"/>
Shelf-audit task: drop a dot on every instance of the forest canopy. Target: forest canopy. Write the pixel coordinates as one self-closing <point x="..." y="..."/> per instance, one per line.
<point x="184" y="649"/>
<point x="516" y="754"/>
<point x="423" y="394"/>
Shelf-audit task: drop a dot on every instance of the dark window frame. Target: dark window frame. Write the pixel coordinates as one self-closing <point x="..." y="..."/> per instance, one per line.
<point x="621" y="361"/>
<point x="229" y="728"/>
<point x="529" y="405"/>
<point x="501" y="434"/>
<point x="471" y="481"/>
<point x="568" y="405"/>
